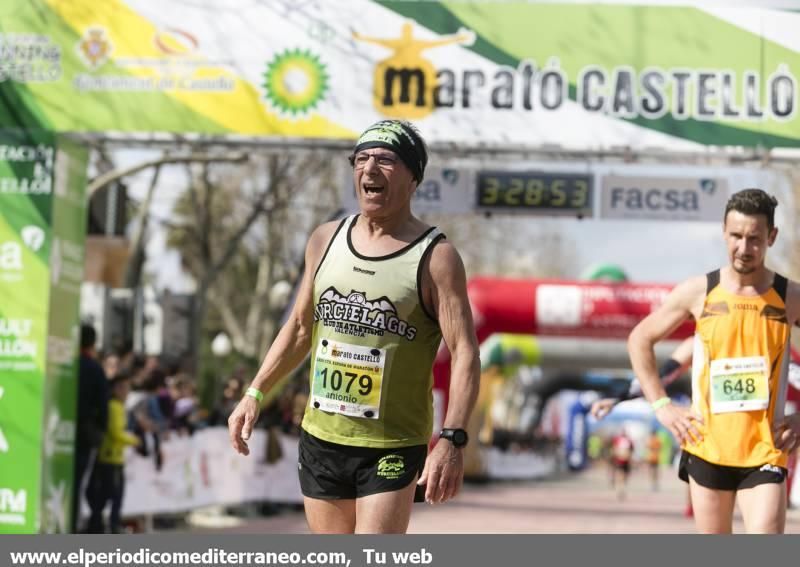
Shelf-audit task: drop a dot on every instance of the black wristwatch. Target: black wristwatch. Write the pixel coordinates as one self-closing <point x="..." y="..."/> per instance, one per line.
<point x="458" y="437"/>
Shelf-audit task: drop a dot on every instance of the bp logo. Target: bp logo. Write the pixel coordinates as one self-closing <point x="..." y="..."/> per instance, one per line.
<point x="391" y="466"/>
<point x="295" y="81"/>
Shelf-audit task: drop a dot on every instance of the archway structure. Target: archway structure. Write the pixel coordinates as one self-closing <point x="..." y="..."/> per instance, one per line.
<point x="555" y="308"/>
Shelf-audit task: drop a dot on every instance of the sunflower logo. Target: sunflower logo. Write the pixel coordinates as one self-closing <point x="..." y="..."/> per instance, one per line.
<point x="295" y="81"/>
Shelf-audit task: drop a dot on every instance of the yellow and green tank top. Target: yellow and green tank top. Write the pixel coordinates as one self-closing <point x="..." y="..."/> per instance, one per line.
<point x="739" y="374"/>
<point x="373" y="345"/>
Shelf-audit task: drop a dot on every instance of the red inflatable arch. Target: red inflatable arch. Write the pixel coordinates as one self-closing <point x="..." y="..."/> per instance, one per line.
<point x="586" y="309"/>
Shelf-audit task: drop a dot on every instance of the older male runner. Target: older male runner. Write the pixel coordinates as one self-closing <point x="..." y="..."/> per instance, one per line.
<point x="381" y="290"/>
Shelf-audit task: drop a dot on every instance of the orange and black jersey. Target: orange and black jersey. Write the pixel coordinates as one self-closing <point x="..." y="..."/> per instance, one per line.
<point x="739" y="374"/>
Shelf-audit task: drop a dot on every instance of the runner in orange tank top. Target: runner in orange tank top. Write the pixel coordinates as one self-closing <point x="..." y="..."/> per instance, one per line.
<point x="735" y="437"/>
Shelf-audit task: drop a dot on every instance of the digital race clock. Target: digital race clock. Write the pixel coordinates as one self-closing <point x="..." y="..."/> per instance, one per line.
<point x="536" y="192"/>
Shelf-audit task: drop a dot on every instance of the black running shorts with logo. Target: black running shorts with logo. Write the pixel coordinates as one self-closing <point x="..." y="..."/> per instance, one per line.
<point x="720" y="477"/>
<point x="335" y="472"/>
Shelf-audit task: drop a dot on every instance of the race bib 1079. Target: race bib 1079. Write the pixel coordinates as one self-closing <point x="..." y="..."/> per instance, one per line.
<point x="348" y="379"/>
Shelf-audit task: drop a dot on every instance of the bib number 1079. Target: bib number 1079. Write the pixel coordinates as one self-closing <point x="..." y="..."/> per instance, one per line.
<point x="350" y="381"/>
<point x="347" y="379"/>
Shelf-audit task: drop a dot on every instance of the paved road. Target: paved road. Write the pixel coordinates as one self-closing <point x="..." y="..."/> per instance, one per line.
<point x="581" y="503"/>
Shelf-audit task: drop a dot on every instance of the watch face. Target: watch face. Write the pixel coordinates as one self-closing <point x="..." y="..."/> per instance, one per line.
<point x="458" y="437"/>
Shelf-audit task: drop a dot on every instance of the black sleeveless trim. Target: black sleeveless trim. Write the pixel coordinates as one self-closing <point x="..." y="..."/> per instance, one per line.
<point x="425" y="254"/>
<point x="779" y="284"/>
<point x="712" y="281"/>
<point x="400" y="252"/>
<point x="327" y="248"/>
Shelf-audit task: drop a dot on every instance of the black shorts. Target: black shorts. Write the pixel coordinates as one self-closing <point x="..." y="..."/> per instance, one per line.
<point x="721" y="477"/>
<point x="335" y="472"/>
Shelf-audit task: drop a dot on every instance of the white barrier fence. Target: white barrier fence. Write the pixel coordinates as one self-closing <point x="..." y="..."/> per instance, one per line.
<point x="203" y="470"/>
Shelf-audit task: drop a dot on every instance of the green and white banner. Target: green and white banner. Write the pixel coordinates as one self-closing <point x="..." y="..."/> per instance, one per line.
<point x="42" y="230"/>
<point x="579" y="75"/>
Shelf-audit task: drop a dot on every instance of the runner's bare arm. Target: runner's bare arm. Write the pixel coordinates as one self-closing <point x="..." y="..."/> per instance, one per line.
<point x="444" y="467"/>
<point x="786" y="432"/>
<point x="668" y="373"/>
<point x="793" y="303"/>
<point x="684" y="301"/>
<point x="294" y="339"/>
<point x="452" y="309"/>
<point x="680" y="304"/>
<point x="290" y="346"/>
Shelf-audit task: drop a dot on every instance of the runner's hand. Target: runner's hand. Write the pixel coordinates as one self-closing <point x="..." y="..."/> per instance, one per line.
<point x="241" y="422"/>
<point x="602" y="408"/>
<point x="787" y="433"/>
<point x="681" y="422"/>
<point x="443" y="473"/>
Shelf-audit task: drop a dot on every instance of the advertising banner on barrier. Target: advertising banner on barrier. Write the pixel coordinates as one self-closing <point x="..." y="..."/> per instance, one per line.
<point x="575" y="75"/>
<point x="41" y="265"/>
<point x="202" y="470"/>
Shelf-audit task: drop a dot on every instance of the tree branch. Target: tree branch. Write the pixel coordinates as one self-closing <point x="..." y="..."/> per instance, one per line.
<point x="231" y="322"/>
<point x="233" y="243"/>
<point x="133" y="271"/>
<point x="110" y="176"/>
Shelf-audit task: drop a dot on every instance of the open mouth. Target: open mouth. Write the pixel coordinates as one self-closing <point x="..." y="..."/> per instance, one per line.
<point x="370" y="189"/>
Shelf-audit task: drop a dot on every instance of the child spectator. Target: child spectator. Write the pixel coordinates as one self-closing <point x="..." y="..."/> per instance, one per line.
<point x="108" y="477"/>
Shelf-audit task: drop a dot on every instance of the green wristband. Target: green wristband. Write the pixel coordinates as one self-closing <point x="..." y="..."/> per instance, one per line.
<point x="256" y="393"/>
<point x="660" y="403"/>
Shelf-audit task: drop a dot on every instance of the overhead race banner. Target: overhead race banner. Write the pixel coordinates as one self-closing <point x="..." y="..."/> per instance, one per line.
<point x="575" y="75"/>
<point x="42" y="181"/>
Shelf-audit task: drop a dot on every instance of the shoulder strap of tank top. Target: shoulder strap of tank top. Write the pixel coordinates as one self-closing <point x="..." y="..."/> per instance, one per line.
<point x="435" y="235"/>
<point x="345" y="221"/>
<point x="712" y="281"/>
<point x="779" y="284"/>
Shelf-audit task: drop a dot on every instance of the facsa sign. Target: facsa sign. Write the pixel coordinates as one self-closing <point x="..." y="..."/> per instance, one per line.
<point x="663" y="198"/>
<point x="444" y="190"/>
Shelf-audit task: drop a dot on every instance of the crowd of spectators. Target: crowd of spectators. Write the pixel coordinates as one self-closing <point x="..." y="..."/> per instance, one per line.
<point x="161" y="400"/>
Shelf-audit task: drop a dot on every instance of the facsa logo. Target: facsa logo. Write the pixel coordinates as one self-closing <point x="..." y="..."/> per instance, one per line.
<point x="13" y="505"/>
<point x="33" y="237"/>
